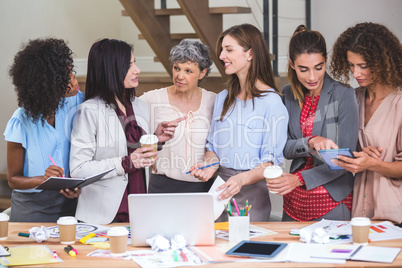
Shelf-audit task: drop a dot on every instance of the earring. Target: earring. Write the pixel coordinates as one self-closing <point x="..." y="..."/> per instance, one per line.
<point x="248" y="60"/>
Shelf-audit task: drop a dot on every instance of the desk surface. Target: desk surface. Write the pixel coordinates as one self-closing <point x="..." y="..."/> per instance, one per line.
<point x="81" y="260"/>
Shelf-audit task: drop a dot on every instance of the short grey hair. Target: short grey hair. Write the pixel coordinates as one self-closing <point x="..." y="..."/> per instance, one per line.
<point x="193" y="51"/>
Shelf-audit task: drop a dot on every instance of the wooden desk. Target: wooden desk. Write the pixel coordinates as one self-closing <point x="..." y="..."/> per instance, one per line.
<point x="81" y="260"/>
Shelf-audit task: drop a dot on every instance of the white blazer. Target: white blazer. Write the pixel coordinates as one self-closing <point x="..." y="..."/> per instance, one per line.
<point x="98" y="143"/>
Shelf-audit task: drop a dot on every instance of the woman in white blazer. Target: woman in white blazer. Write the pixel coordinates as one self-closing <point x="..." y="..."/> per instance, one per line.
<point x="106" y="132"/>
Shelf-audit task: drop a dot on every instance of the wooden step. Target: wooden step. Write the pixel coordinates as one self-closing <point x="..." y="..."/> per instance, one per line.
<point x="176" y="36"/>
<point x="212" y="10"/>
<point x="229" y="10"/>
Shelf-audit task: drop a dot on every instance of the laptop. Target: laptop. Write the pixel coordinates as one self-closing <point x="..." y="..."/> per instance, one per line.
<point x="188" y="214"/>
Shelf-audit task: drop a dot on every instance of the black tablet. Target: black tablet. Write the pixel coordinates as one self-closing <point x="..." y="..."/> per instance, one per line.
<point x="256" y="249"/>
<point x="328" y="155"/>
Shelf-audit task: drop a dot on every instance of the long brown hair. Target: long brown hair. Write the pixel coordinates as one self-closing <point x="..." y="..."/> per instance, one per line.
<point x="303" y="41"/>
<point x="248" y="37"/>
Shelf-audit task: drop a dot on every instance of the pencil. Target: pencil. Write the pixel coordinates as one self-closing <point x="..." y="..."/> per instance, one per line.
<point x="188" y="172"/>
<point x="54" y="164"/>
<point x="237" y="208"/>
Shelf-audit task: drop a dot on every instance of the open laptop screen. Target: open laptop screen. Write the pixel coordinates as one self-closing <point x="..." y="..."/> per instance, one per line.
<point x="188" y="214"/>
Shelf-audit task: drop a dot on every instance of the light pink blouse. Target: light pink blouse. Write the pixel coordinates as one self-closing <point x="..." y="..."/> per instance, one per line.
<point x="376" y="196"/>
<point x="187" y="147"/>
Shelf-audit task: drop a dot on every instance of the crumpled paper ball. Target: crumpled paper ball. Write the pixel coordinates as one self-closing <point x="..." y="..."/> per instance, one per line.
<point x="39" y="234"/>
<point x="158" y="243"/>
<point x="178" y="241"/>
<point x="318" y="236"/>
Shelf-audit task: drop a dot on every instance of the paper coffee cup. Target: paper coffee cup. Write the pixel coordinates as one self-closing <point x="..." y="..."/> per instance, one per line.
<point x="360" y="230"/>
<point x="118" y="240"/>
<point x="67" y="228"/>
<point x="272" y="173"/>
<point x="4" y="219"/>
<point x="150" y="140"/>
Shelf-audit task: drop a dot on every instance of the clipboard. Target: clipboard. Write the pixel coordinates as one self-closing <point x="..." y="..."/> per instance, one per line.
<point x="328" y="155"/>
<point x="58" y="183"/>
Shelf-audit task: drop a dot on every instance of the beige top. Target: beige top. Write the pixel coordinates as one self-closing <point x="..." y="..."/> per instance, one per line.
<point x="187" y="147"/>
<point x="376" y="196"/>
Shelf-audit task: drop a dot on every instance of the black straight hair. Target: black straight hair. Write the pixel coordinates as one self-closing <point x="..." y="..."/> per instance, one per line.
<point x="108" y="64"/>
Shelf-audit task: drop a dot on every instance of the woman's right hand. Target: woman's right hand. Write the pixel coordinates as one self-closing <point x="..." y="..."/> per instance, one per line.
<point x="203" y="174"/>
<point x="143" y="157"/>
<point x="53" y="171"/>
<point x="321" y="143"/>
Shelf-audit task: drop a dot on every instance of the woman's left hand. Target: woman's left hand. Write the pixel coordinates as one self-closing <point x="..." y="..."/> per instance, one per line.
<point x="71" y="194"/>
<point x="165" y="130"/>
<point x="233" y="186"/>
<point x="362" y="161"/>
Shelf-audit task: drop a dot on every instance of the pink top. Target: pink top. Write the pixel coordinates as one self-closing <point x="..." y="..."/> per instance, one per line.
<point x="187" y="147"/>
<point x="376" y="196"/>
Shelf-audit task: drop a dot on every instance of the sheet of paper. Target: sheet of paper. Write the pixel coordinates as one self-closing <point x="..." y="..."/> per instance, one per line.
<point x="376" y="254"/>
<point x="300" y="252"/>
<point x="343" y="252"/>
<point x="29" y="255"/>
<point x="219" y="205"/>
<point x="384" y="231"/>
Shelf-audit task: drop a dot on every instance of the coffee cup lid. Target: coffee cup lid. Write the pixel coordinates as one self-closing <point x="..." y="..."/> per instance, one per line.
<point x="273" y="172"/>
<point x="4" y="217"/>
<point x="149" y="139"/>
<point x="360" y="221"/>
<point x="117" y="231"/>
<point x="67" y="220"/>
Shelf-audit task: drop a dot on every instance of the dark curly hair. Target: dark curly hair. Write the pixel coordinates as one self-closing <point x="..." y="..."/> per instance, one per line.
<point x="41" y="76"/>
<point x="378" y="46"/>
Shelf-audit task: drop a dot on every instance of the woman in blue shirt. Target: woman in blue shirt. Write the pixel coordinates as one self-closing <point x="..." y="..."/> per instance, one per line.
<point x="48" y="96"/>
<point x="249" y="124"/>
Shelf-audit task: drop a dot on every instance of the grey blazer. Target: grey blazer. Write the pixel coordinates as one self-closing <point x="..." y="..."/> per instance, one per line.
<point x="98" y="143"/>
<point x="336" y="118"/>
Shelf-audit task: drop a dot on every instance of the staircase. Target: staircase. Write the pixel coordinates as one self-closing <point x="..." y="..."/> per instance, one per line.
<point x="154" y="25"/>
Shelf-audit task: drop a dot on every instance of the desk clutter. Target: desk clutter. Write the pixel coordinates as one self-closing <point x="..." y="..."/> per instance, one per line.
<point x="174" y="252"/>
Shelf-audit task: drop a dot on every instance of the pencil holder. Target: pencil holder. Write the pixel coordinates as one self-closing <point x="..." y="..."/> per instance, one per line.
<point x="239" y="228"/>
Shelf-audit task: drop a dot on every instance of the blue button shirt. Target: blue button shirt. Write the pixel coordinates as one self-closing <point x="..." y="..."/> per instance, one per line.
<point x="249" y="135"/>
<point x="41" y="140"/>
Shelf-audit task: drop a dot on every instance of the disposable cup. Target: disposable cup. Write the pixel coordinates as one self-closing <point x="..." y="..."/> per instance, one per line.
<point x="118" y="240"/>
<point x="67" y="228"/>
<point x="4" y="219"/>
<point x="150" y="140"/>
<point x="272" y="173"/>
<point x="360" y="230"/>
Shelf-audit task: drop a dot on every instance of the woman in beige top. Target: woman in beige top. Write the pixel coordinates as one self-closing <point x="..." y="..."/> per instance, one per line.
<point x="374" y="56"/>
<point x="190" y="65"/>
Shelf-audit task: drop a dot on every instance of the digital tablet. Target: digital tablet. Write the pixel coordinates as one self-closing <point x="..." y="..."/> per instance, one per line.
<point x="328" y="155"/>
<point x="256" y="249"/>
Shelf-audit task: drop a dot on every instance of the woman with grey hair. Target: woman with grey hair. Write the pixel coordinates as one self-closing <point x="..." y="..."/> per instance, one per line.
<point x="190" y="65"/>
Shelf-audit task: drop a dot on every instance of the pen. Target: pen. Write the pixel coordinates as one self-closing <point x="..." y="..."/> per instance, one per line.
<point x="23" y="234"/>
<point x="188" y="172"/>
<point x="237" y="208"/>
<point x="54" y="164"/>
<point x="70" y="252"/>
<point x="73" y="249"/>
<point x="54" y="254"/>
<point x="175" y="255"/>
<point x="183" y="255"/>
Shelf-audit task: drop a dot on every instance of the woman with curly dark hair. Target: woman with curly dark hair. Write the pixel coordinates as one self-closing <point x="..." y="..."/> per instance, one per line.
<point x="39" y="130"/>
<point x="373" y="55"/>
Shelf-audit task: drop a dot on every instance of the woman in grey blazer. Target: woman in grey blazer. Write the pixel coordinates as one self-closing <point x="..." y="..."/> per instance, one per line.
<point x="106" y="133"/>
<point x="323" y="114"/>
